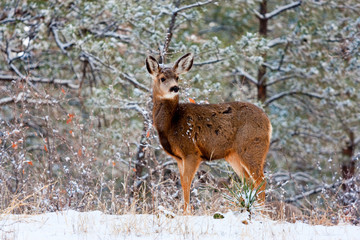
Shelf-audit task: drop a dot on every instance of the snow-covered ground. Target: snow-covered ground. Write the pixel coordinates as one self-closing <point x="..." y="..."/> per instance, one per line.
<point x="70" y="225"/>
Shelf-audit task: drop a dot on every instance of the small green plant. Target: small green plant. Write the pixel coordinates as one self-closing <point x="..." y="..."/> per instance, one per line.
<point x="218" y="215"/>
<point x="243" y="194"/>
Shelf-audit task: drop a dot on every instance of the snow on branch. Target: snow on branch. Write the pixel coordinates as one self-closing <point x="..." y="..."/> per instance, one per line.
<point x="6" y="100"/>
<point x="277" y="11"/>
<point x="61" y="45"/>
<point x="15" y="99"/>
<point x="281" y="79"/>
<point x="29" y="80"/>
<point x="208" y="62"/>
<point x="68" y="83"/>
<point x="277" y="41"/>
<point x="17" y="71"/>
<point x="290" y="93"/>
<point x="120" y="37"/>
<point x="198" y="4"/>
<point x="241" y="72"/>
<point x="280" y="177"/>
<point x="124" y="76"/>
<point x="317" y="190"/>
<point x="91" y="57"/>
<point x="11" y="19"/>
<point x="26" y="98"/>
<point x="134" y="82"/>
<point x="136" y="107"/>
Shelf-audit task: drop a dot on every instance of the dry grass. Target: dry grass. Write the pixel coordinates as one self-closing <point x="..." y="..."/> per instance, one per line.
<point x="205" y="203"/>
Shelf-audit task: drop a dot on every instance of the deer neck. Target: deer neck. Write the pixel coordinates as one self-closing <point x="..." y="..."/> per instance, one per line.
<point x="163" y="112"/>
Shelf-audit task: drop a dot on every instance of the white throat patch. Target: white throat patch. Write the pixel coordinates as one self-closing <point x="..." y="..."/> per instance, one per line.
<point x="169" y="95"/>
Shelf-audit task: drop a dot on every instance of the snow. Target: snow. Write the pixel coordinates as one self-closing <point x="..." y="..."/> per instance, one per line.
<point x="96" y="225"/>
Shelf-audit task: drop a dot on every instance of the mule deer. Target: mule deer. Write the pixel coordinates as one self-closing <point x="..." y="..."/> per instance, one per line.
<point x="191" y="133"/>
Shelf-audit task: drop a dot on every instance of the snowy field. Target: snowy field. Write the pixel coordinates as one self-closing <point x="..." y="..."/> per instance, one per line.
<point x="71" y="225"/>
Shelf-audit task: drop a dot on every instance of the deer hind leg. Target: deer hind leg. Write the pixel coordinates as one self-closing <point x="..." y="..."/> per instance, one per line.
<point x="252" y="158"/>
<point x="251" y="172"/>
<point x="241" y="169"/>
<point x="187" y="167"/>
<point x="234" y="160"/>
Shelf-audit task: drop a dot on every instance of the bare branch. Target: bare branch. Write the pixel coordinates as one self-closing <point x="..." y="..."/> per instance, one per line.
<point x="68" y="83"/>
<point x="289" y="93"/>
<point x="25" y="97"/>
<point x="277" y="41"/>
<point x="8" y="100"/>
<point x="283" y="55"/>
<point x="272" y="68"/>
<point x="23" y="77"/>
<point x="11" y="19"/>
<point x="282" y="9"/>
<point x="298" y="176"/>
<point x="258" y="15"/>
<point x="317" y="190"/>
<point x="8" y="78"/>
<point x="7" y="20"/>
<point x="16" y="70"/>
<point x="208" y="62"/>
<point x="125" y="76"/>
<point x="170" y="30"/>
<point x="277" y="11"/>
<point x="168" y="38"/>
<point x="122" y="38"/>
<point x="134" y="82"/>
<point x="198" y="4"/>
<point x="250" y="78"/>
<point x="136" y="107"/>
<point x="283" y="78"/>
<point x="92" y="57"/>
<point x="61" y="45"/>
<point x="309" y="134"/>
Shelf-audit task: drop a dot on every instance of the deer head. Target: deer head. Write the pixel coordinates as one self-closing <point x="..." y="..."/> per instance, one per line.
<point x="165" y="79"/>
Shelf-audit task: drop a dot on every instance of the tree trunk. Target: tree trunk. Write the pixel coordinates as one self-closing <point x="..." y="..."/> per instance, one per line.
<point x="348" y="164"/>
<point x="140" y="161"/>
<point x="261" y="77"/>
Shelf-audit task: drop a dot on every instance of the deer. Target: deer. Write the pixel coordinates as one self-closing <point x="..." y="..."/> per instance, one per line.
<point x="191" y="133"/>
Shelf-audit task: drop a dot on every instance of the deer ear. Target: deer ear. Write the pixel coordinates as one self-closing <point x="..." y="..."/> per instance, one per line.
<point x="184" y="64"/>
<point x="152" y="65"/>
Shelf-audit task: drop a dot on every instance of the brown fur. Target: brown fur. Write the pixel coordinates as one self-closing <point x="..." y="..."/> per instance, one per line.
<point x="237" y="131"/>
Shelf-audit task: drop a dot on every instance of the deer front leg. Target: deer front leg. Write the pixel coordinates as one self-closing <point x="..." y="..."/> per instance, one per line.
<point x="187" y="167"/>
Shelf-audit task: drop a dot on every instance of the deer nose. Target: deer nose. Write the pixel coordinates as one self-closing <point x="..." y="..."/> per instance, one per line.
<point x="174" y="89"/>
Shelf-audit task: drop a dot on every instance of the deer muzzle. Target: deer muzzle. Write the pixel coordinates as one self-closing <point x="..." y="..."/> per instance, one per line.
<point x="174" y="89"/>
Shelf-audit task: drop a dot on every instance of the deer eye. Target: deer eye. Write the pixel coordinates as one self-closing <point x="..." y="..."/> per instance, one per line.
<point x="162" y="79"/>
<point x="177" y="78"/>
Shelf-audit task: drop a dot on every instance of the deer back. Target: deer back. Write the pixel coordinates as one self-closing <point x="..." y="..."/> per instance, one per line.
<point x="216" y="130"/>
